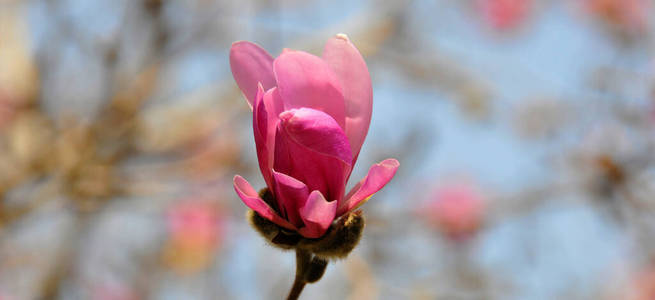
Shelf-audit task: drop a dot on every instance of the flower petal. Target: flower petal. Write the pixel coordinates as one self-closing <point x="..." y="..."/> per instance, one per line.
<point x="252" y="200"/>
<point x="291" y="194"/>
<point x="317" y="131"/>
<point x="311" y="147"/>
<point x="378" y="176"/>
<point x="317" y="214"/>
<point x="350" y="67"/>
<point x="260" y="130"/>
<point x="250" y="65"/>
<point x="305" y="80"/>
<point x="265" y="118"/>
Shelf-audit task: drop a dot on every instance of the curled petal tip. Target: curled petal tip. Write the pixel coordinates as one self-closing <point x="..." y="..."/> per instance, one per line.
<point x="390" y="163"/>
<point x="238" y="179"/>
<point x="342" y="36"/>
<point x="239" y="42"/>
<point x="286" y="115"/>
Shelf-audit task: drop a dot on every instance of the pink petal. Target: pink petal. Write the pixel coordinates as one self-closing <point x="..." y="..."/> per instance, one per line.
<point x="251" y="65"/>
<point x="350" y="67"/>
<point x="317" y="131"/>
<point x="377" y="177"/>
<point x="265" y="118"/>
<point x="291" y="194"/>
<point x="317" y="214"/>
<point x="311" y="147"/>
<point x="252" y="200"/>
<point x="260" y="130"/>
<point x="305" y="80"/>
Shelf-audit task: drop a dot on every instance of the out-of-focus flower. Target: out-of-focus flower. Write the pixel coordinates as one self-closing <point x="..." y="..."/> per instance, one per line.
<point x="641" y="286"/>
<point x="5" y="296"/>
<point x="195" y="229"/>
<point x="456" y="209"/>
<point x="310" y="118"/>
<point x="112" y="291"/>
<point x="504" y="14"/>
<point x="630" y="16"/>
<point x="7" y="110"/>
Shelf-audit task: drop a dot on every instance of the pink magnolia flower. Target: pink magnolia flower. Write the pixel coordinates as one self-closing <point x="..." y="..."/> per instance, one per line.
<point x="456" y="209"/>
<point x="504" y="14"/>
<point x="310" y="117"/>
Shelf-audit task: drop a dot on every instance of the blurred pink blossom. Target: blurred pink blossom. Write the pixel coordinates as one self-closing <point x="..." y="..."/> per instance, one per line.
<point x="112" y="291"/>
<point x="5" y="296"/>
<point x="195" y="229"/>
<point x="456" y="209"/>
<point x="504" y="14"/>
<point x="642" y="287"/>
<point x="310" y="118"/>
<point x="194" y="223"/>
<point x="7" y="110"/>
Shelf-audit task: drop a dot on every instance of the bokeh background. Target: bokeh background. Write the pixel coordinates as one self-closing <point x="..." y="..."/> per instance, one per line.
<point x="525" y="131"/>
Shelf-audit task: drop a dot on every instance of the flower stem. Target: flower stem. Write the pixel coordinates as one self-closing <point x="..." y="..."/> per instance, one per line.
<point x="303" y="259"/>
<point x="298" y="286"/>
